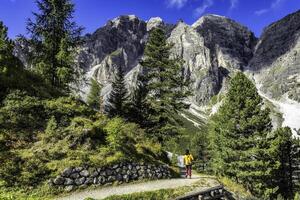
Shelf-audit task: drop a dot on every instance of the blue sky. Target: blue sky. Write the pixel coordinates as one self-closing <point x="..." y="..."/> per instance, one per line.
<point x="255" y="14"/>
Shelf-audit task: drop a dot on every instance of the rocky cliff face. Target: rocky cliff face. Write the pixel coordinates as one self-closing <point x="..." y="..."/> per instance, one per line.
<point x="212" y="48"/>
<point x="276" y="61"/>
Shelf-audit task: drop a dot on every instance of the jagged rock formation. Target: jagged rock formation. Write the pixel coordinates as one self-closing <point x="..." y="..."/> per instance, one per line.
<point x="276" y="58"/>
<point x="211" y="48"/>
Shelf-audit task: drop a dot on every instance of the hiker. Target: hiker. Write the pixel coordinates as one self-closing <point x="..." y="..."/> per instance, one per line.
<point x="188" y="158"/>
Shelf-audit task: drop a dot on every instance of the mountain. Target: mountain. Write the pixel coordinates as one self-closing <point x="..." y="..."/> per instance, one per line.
<point x="277" y="58"/>
<point x="213" y="48"/>
<point x="275" y="67"/>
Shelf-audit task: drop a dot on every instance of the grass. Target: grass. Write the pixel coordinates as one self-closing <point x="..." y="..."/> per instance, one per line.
<point x="237" y="189"/>
<point x="44" y="192"/>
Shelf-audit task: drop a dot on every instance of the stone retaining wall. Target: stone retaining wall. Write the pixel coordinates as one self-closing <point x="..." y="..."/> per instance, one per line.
<point x="74" y="177"/>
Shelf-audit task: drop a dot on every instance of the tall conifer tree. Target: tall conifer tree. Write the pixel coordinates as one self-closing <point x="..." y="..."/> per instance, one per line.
<point x="240" y="146"/>
<point x="116" y="101"/>
<point x="165" y="84"/>
<point x="285" y="153"/>
<point x="54" y="37"/>
<point x="94" y="97"/>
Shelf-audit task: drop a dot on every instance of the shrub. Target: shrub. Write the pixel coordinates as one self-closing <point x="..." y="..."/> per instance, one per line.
<point x="21" y="111"/>
<point x="10" y="168"/>
<point x="51" y="126"/>
<point x="34" y="171"/>
<point x="66" y="108"/>
<point x="120" y="134"/>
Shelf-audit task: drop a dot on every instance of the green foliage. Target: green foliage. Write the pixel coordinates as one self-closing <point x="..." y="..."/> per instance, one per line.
<point x="10" y="168"/>
<point x="284" y="154"/>
<point x="54" y="40"/>
<point x="94" y="97"/>
<point x="119" y="133"/>
<point x="137" y="109"/>
<point x="65" y="108"/>
<point x="165" y="84"/>
<point x="117" y="97"/>
<point x="297" y="196"/>
<point x="34" y="171"/>
<point x="240" y="146"/>
<point x="12" y="74"/>
<point x="21" y="111"/>
<point x="51" y="126"/>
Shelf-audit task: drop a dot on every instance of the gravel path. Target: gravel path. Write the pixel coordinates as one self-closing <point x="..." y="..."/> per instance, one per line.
<point x="104" y="192"/>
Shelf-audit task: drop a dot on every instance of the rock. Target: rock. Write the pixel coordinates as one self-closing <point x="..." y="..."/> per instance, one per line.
<point x="74" y="175"/>
<point x="80" y="181"/>
<point x="115" y="166"/>
<point x="89" y="181"/>
<point x="109" y="172"/>
<point x="111" y="179"/>
<point x="95" y="181"/>
<point x="154" y="22"/>
<point x="59" y="180"/>
<point x="69" y="181"/>
<point x="119" y="177"/>
<point x="69" y="188"/>
<point x="126" y="178"/>
<point x="78" y="169"/>
<point x="101" y="179"/>
<point x="103" y="173"/>
<point x="95" y="173"/>
<point x="130" y="167"/>
<point x="84" y="173"/>
<point x="67" y="172"/>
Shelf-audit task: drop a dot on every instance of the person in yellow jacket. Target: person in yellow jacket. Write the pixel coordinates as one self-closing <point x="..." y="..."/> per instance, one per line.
<point x="188" y="159"/>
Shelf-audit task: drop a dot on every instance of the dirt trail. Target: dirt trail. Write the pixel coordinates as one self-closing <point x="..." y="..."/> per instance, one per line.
<point x="104" y="192"/>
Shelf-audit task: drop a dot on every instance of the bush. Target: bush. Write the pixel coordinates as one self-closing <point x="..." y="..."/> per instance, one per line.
<point x="10" y="168"/>
<point x="21" y="111"/>
<point x="66" y="108"/>
<point x="51" y="127"/>
<point x="120" y="134"/>
<point x="34" y="171"/>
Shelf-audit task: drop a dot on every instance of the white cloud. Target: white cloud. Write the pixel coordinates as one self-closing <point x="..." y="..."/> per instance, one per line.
<point x="233" y="4"/>
<point x="274" y="5"/>
<point x="205" y="5"/>
<point x="176" y="3"/>
<point x="260" y="12"/>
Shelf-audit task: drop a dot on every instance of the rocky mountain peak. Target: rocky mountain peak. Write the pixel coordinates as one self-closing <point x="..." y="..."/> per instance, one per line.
<point x="276" y="40"/>
<point x="276" y="60"/>
<point x="154" y="22"/>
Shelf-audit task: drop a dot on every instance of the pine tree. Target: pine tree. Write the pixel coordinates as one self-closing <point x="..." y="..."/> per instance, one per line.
<point x="54" y="37"/>
<point x="116" y="101"/>
<point x="94" y="96"/>
<point x="137" y="106"/>
<point x="240" y="147"/>
<point x="284" y="153"/>
<point x="11" y="68"/>
<point x="165" y="84"/>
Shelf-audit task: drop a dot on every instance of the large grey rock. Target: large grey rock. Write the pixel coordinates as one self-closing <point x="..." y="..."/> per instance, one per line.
<point x="67" y="172"/>
<point x="276" y="61"/>
<point x="80" y="181"/>
<point x="69" y="181"/>
<point x="84" y="173"/>
<point x="59" y="180"/>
